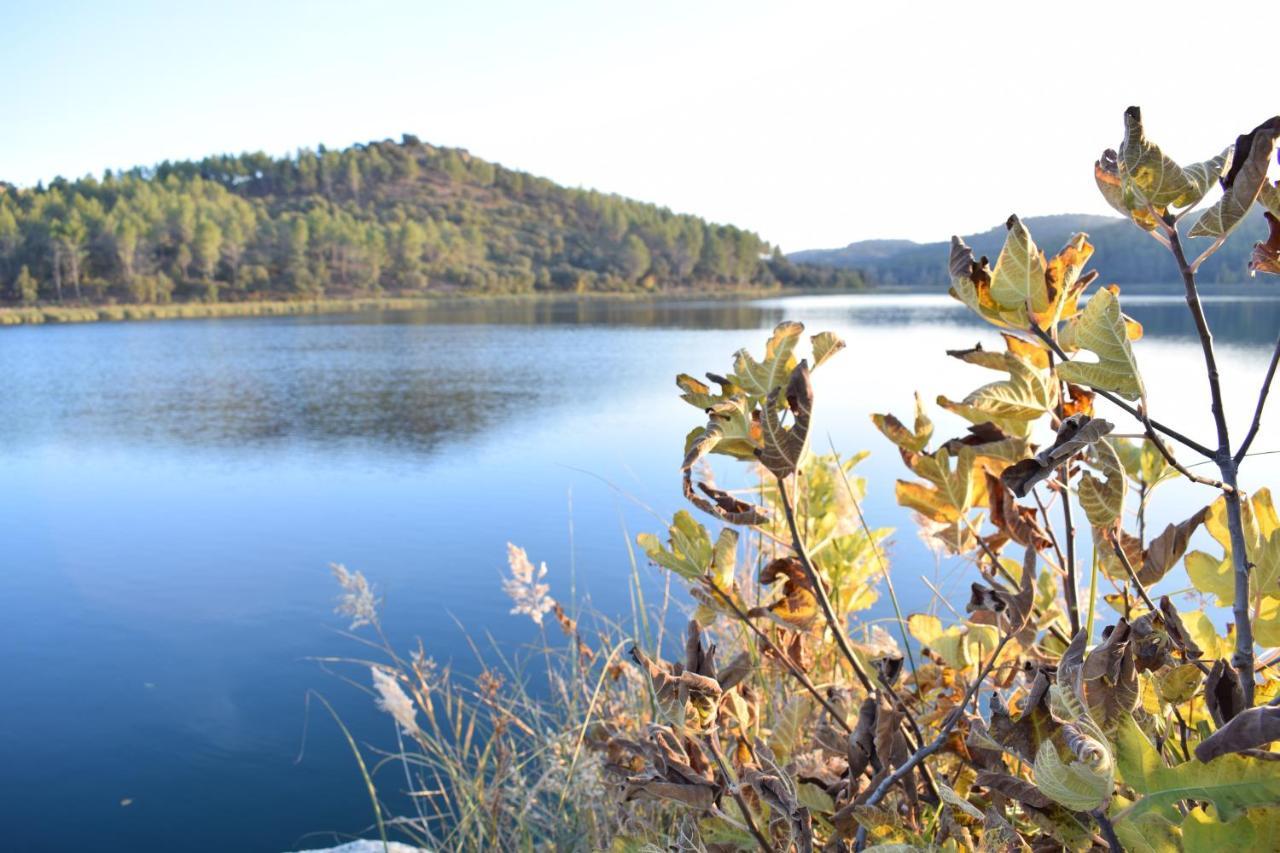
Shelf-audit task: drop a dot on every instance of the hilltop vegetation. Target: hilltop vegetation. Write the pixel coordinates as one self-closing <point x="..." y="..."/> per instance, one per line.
<point x="1131" y="257"/>
<point x="404" y="218"/>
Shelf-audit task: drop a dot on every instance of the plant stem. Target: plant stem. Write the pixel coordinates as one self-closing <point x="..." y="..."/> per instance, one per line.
<point x="884" y="569"/>
<point x="1071" y="591"/>
<point x="820" y="590"/>
<point x="1117" y="401"/>
<point x="1262" y="402"/>
<point x="713" y="741"/>
<point x="1108" y="831"/>
<point x="1227" y="465"/>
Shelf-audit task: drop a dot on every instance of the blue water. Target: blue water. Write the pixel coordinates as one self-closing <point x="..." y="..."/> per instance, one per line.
<point x="172" y="493"/>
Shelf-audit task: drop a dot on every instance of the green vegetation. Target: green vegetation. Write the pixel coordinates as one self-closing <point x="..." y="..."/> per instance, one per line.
<point x="1068" y="708"/>
<point x="403" y="219"/>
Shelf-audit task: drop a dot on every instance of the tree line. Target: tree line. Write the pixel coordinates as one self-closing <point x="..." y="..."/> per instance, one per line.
<point x="387" y="217"/>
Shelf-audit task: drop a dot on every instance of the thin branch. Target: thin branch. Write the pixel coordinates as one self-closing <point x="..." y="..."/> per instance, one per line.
<point x="820" y="590"/>
<point x="1108" y="831"/>
<point x="1142" y="590"/>
<point x="1206" y="342"/>
<point x="1107" y="395"/>
<point x="1071" y="590"/>
<point x="1243" y="659"/>
<point x="884" y="569"/>
<point x="1173" y="462"/>
<point x="713" y="741"/>
<point x="1262" y="402"/>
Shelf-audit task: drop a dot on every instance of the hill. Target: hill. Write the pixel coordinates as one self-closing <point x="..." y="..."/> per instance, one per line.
<point x="402" y="218"/>
<point x="1123" y="254"/>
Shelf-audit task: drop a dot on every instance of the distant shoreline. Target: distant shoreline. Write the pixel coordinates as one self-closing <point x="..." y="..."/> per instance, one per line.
<point x="63" y="314"/>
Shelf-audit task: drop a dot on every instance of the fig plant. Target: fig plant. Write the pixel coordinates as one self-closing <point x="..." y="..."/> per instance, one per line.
<point x="1028" y="724"/>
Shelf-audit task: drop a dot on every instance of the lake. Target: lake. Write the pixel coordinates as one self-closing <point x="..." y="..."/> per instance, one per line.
<point x="172" y="493"/>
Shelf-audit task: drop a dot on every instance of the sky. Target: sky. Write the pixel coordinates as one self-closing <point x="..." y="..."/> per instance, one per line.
<point x="814" y="124"/>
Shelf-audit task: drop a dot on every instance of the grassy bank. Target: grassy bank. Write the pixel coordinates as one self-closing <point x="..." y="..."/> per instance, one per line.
<point x="37" y="315"/>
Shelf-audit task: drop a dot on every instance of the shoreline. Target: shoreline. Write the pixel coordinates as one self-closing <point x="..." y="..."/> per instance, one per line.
<point x="64" y="314"/>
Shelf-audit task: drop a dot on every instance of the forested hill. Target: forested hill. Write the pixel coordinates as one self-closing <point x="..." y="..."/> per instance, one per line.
<point x="1122" y="253"/>
<point x="388" y="217"/>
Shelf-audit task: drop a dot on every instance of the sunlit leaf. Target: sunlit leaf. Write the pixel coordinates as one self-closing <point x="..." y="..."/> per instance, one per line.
<point x="1102" y="499"/>
<point x="1242" y="183"/>
<point x="689" y="550"/>
<point x="759" y="378"/>
<point x="1100" y="329"/>
<point x="825" y="345"/>
<point x="1018" y="281"/>
<point x="1232" y="783"/>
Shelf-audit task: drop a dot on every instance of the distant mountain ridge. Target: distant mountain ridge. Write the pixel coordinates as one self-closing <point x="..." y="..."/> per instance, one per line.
<point x="1122" y="253"/>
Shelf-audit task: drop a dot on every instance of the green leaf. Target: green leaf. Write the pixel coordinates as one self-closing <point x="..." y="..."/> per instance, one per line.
<point x="1232" y="783"/>
<point x="1256" y="829"/>
<point x="1243" y="182"/>
<point x="1100" y="329"/>
<point x="1150" y="833"/>
<point x="689" y="554"/>
<point x="1012" y="404"/>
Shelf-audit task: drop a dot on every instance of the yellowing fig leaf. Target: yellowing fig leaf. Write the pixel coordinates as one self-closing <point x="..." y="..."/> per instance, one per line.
<point x="1012" y="404"/>
<point x="1215" y="575"/>
<point x="1233" y="783"/>
<point x="1179" y="684"/>
<point x="1101" y="329"/>
<point x="924" y="627"/>
<point x="1106" y="172"/>
<point x="1150" y="833"/>
<point x="1148" y="176"/>
<point x="759" y="378"/>
<point x="913" y="440"/>
<point x="1201" y="176"/>
<point x="971" y="284"/>
<point x="1064" y="281"/>
<point x="1102" y="499"/>
<point x="1018" y="281"/>
<point x="825" y="345"/>
<point x="1243" y="182"/>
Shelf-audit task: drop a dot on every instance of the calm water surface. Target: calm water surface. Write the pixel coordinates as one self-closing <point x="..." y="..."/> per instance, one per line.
<point x="171" y="494"/>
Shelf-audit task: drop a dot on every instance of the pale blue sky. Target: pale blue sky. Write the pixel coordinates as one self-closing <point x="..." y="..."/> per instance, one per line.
<point x="812" y="123"/>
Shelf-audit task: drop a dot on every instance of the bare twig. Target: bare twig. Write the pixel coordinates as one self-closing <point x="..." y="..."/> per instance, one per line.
<point x="1262" y="402"/>
<point x="1128" y="407"/>
<point x="1172" y="460"/>
<point x="819" y="589"/>
<point x="1108" y="831"/>
<point x="1071" y="589"/>
<point x="1243" y="659"/>
<point x="713" y="741"/>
